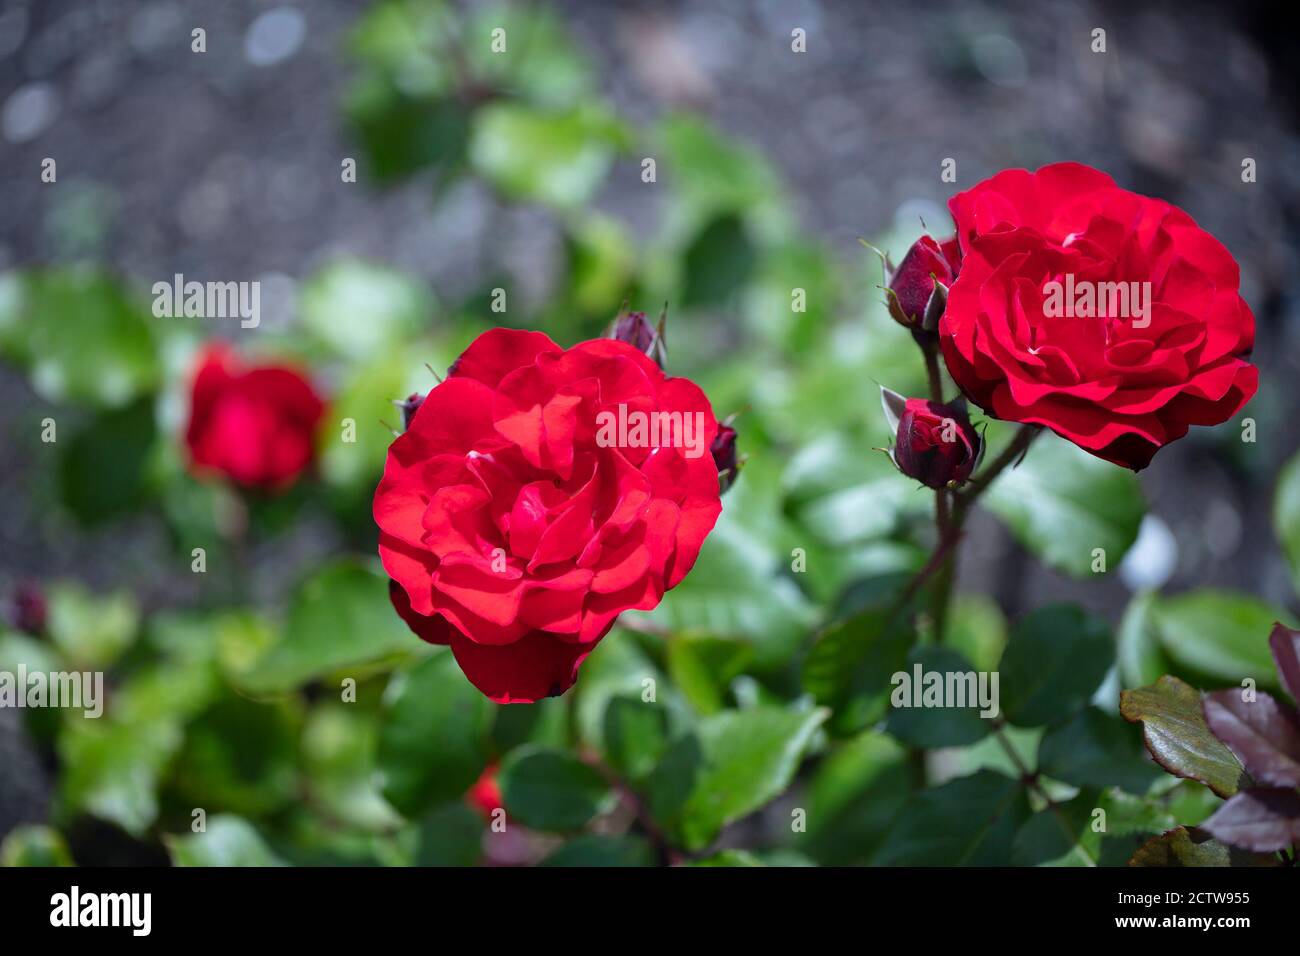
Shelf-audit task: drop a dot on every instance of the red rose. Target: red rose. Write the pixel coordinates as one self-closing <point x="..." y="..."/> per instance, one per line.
<point x="255" y="425"/>
<point x="517" y="524"/>
<point x="485" y="795"/>
<point x="1153" y="337"/>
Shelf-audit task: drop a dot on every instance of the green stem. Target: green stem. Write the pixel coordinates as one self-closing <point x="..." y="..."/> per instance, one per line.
<point x="951" y="520"/>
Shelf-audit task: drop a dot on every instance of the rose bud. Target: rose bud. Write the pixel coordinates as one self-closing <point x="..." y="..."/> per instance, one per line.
<point x="409" y="406"/>
<point x="635" y="329"/>
<point x="254" y="424"/>
<point x="935" y="444"/>
<point x="724" y="456"/>
<point x="918" y="289"/>
<point x="28" y="611"/>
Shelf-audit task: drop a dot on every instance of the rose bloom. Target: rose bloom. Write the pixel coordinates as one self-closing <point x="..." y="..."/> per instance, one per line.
<point x="1118" y="386"/>
<point x="254" y="424"/>
<point x="515" y="537"/>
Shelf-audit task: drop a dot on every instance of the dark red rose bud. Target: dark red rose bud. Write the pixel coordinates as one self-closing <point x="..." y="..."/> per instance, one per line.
<point x="28" y="611"/>
<point x="409" y="407"/>
<point x="724" y="456"/>
<point x="635" y="329"/>
<point x="915" y="297"/>
<point x="935" y="444"/>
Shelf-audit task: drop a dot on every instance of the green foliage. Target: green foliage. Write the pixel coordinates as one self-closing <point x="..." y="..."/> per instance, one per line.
<point x="747" y="720"/>
<point x="421" y="768"/>
<point x="1063" y="504"/>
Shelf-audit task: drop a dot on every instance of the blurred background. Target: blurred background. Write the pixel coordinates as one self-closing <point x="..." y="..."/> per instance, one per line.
<point x="524" y="171"/>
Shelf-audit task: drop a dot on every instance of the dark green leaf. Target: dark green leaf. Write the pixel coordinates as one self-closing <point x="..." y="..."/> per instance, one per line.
<point x="340" y="618"/>
<point x="1096" y="749"/>
<point x="732" y="764"/>
<point x="602" y="851"/>
<point x="636" y="735"/>
<point x="552" y="790"/>
<point x="957" y="721"/>
<point x="970" y="821"/>
<point x="1055" y="659"/>
<point x="433" y="741"/>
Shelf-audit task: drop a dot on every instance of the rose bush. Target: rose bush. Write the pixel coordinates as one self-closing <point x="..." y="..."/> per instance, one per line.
<point x="516" y="537"/>
<point x="254" y="424"/>
<point x="1119" y="388"/>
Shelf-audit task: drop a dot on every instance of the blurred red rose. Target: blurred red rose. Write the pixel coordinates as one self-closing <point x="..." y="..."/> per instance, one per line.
<point x="256" y="425"/>
<point x="485" y="795"/>
<point x="516" y="531"/>
<point x="1119" y="383"/>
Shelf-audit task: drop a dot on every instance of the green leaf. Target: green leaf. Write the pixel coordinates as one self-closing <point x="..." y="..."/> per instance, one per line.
<point x="1184" y="847"/>
<point x="240" y="756"/>
<point x="853" y="797"/>
<point x="1222" y="635"/>
<point x="552" y="790"/>
<point x="850" y="664"/>
<point x="1054" y="661"/>
<point x="91" y="630"/>
<point x="112" y="769"/>
<point x="102" y="472"/>
<point x="729" y="766"/>
<point x="79" y="334"/>
<point x="702" y="666"/>
<point x="1286" y="514"/>
<point x="636" y="735"/>
<point x="1140" y="658"/>
<point x="450" y="835"/>
<point x="360" y="309"/>
<point x="602" y="851"/>
<point x="433" y="742"/>
<point x="35" y="845"/>
<point x="970" y="821"/>
<point x="559" y="158"/>
<point x="977" y="630"/>
<point x="717" y="263"/>
<point x="943" y="726"/>
<point x="1058" y="837"/>
<point x="1174" y="728"/>
<point x="735" y="590"/>
<point x="227" y="841"/>
<point x="729" y="858"/>
<point x="339" y="748"/>
<point x="1062" y="503"/>
<point x="401" y="133"/>
<point x="340" y="618"/>
<point x="1096" y="749"/>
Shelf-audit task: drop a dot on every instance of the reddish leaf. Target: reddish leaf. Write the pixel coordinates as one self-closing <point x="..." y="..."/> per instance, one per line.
<point x="1258" y="819"/>
<point x="1264" y="733"/>
<point x="1285" y="644"/>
